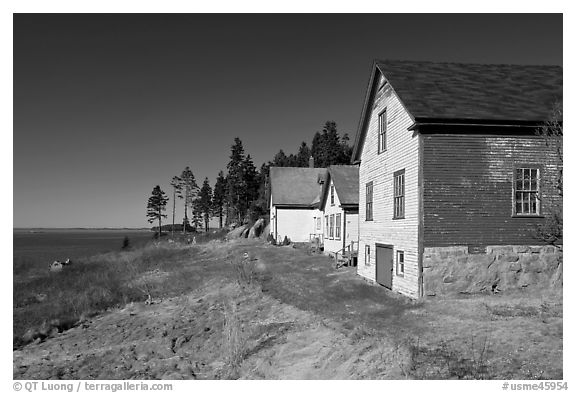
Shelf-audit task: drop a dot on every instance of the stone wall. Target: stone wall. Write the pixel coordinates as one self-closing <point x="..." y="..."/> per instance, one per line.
<point x="449" y="270"/>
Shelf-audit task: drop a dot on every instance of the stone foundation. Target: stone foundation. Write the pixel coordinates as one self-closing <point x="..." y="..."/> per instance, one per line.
<point x="449" y="270"/>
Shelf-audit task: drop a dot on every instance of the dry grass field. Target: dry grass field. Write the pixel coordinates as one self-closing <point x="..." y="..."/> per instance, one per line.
<point x="246" y="309"/>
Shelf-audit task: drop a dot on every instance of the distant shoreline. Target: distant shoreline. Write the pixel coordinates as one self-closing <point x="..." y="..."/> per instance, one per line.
<point x="80" y="229"/>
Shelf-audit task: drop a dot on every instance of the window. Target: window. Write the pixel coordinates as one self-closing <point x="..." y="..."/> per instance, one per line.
<point x="382" y="131"/>
<point x="326" y="220"/>
<point x="331" y="226"/>
<point x="399" y="194"/>
<point x="369" y="201"/>
<point x="338" y="225"/>
<point x="367" y="255"/>
<point x="318" y="223"/>
<point x="332" y="195"/>
<point x="527" y="192"/>
<point x="399" y="263"/>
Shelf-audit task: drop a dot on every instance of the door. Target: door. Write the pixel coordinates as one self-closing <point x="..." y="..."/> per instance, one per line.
<point x="384" y="263"/>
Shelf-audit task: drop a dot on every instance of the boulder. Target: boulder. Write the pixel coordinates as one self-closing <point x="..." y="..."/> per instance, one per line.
<point x="236" y="232"/>
<point x="256" y="229"/>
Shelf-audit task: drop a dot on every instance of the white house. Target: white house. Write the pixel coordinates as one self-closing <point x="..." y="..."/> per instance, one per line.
<point x="294" y="202"/>
<point x="339" y="206"/>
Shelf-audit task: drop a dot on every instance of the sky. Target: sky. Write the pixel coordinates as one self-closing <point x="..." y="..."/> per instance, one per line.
<point x="106" y="106"/>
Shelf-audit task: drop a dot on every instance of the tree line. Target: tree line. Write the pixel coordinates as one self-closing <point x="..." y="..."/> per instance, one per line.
<point x="241" y="193"/>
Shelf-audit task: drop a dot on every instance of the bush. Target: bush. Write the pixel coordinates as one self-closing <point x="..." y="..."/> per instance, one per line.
<point x="286" y="241"/>
<point x="126" y="243"/>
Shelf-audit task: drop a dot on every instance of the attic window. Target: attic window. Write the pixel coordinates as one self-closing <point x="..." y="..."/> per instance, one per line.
<point x="382" y="126"/>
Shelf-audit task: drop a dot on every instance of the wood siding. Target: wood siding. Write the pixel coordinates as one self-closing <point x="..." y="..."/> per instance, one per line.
<point x="402" y="152"/>
<point x="349" y="224"/>
<point x="468" y="188"/>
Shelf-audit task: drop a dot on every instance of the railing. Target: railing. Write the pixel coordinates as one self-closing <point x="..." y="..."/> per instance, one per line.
<point x="347" y="251"/>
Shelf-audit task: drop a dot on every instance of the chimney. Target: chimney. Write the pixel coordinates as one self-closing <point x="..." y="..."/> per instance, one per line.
<point x="311" y="162"/>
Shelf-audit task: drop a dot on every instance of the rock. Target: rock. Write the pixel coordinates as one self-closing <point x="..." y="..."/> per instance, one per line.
<point x="256" y="229"/>
<point x="236" y="232"/>
<point x="41" y="297"/>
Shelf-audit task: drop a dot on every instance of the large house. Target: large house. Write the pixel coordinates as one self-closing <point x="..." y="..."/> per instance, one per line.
<point x="453" y="175"/>
<point x="339" y="206"/>
<point x="294" y="202"/>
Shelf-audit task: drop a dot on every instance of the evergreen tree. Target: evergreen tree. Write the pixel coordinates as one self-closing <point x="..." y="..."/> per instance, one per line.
<point x="252" y="182"/>
<point x="196" y="219"/>
<point x="156" y="205"/>
<point x="280" y="159"/>
<point x="205" y="202"/>
<point x="318" y="151"/>
<point x="219" y="197"/>
<point x="189" y="191"/>
<point x="235" y="187"/>
<point x="176" y="184"/>
<point x="303" y="156"/>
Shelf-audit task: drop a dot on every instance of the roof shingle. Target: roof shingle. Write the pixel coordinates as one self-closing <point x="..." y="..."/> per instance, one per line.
<point x="475" y="91"/>
<point x="295" y="186"/>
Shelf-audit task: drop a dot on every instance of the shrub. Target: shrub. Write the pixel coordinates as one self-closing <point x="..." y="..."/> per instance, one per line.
<point x="126" y="243"/>
<point x="286" y="241"/>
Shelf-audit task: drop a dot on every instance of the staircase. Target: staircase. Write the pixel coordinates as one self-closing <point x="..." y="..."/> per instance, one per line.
<point x="347" y="256"/>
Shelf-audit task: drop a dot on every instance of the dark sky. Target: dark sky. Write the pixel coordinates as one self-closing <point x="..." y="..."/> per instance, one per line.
<point x="108" y="106"/>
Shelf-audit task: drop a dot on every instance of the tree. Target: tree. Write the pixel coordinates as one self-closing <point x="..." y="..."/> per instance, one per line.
<point x="251" y="182"/>
<point x="551" y="231"/>
<point x="176" y="184"/>
<point x="156" y="205"/>
<point x="303" y="156"/>
<point x="189" y="189"/>
<point x="205" y="202"/>
<point x="235" y="187"/>
<point x="219" y="196"/>
<point x="196" y="221"/>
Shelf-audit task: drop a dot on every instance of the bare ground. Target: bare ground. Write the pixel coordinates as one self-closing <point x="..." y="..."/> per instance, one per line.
<point x="294" y="316"/>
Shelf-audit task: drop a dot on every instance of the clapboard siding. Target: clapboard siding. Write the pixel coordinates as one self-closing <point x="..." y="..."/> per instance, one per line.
<point x="468" y="188"/>
<point x="349" y="229"/>
<point x="402" y="153"/>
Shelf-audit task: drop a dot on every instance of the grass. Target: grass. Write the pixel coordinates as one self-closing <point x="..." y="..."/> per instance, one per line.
<point x="94" y="284"/>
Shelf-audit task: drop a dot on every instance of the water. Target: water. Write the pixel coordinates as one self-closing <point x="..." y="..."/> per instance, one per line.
<point x="38" y="248"/>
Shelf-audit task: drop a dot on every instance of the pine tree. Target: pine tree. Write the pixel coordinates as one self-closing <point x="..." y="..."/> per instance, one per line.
<point x="196" y="219"/>
<point x="318" y="151"/>
<point x="219" y="197"/>
<point x="205" y="203"/>
<point x="251" y="181"/>
<point x="280" y="159"/>
<point x="236" y="187"/>
<point x="156" y="205"/>
<point x="189" y="190"/>
<point x="176" y="184"/>
<point x="303" y="156"/>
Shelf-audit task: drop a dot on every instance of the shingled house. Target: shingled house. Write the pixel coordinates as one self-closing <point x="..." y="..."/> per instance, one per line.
<point x="453" y="177"/>
<point x="339" y="206"/>
<point x="294" y="202"/>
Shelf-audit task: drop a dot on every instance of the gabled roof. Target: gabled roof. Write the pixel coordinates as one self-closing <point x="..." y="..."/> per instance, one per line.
<point x="296" y="187"/>
<point x="346" y="180"/>
<point x="457" y="92"/>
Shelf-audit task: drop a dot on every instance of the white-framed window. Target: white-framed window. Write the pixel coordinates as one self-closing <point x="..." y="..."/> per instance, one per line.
<point x="326" y="234"/>
<point x="338" y="225"/>
<point x="331" y="226"/>
<point x="369" y="194"/>
<point x="399" y="263"/>
<point x="332" y="194"/>
<point x="318" y="223"/>
<point x="527" y="191"/>
<point x="367" y="255"/>
<point x="382" y="126"/>
<point x="399" y="194"/>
